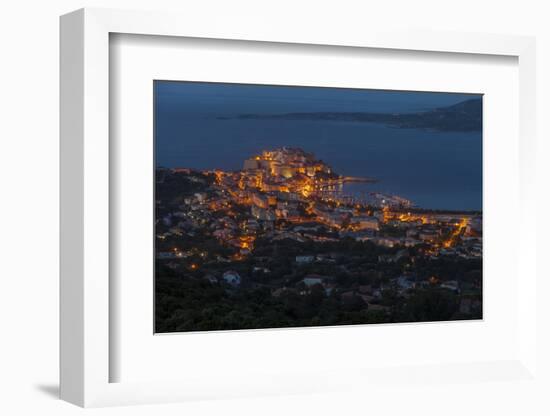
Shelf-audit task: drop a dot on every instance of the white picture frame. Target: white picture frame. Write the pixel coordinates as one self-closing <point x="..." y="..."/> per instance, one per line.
<point x="85" y="183"/>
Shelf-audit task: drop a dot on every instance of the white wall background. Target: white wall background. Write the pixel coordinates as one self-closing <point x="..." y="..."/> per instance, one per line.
<point x="29" y="206"/>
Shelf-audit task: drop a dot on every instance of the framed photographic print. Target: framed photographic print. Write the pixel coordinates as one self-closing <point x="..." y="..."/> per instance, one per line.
<point x="275" y="212"/>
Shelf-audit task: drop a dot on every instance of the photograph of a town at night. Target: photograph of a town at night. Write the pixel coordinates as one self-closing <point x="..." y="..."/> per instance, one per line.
<point x="290" y="206"/>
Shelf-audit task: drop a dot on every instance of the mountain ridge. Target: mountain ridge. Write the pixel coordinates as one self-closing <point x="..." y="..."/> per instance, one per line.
<point x="463" y="116"/>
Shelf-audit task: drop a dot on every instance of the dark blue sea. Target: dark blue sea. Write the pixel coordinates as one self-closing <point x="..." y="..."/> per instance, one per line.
<point x="438" y="170"/>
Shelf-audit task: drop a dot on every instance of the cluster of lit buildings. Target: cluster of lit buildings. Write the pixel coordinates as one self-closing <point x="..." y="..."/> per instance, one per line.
<point x="218" y="229"/>
<point x="287" y="193"/>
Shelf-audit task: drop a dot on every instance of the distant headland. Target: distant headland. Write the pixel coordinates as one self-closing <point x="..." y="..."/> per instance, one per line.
<point x="461" y="117"/>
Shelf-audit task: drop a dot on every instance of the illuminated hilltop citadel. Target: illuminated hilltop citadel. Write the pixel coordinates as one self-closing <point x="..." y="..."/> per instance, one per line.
<point x="294" y="171"/>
